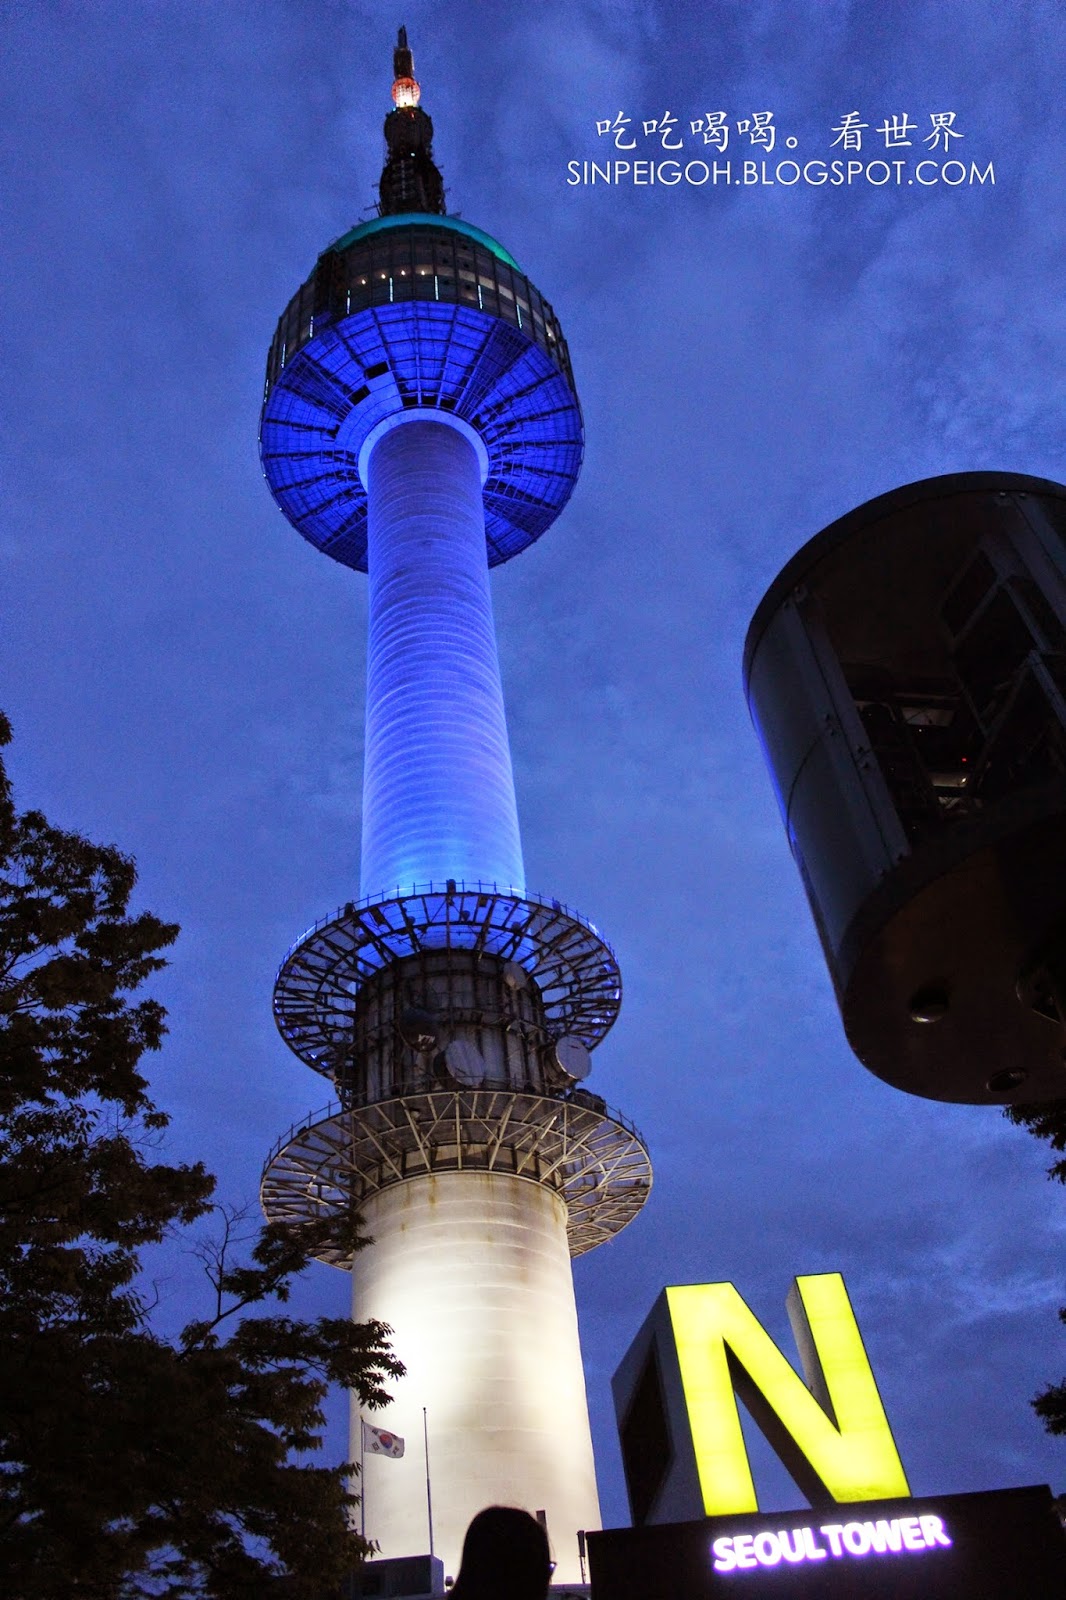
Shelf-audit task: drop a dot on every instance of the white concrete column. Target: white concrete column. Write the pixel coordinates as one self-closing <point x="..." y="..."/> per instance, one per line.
<point x="473" y="1272"/>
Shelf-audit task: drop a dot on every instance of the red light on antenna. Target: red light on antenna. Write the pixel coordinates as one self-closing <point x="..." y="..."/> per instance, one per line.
<point x="405" y="92"/>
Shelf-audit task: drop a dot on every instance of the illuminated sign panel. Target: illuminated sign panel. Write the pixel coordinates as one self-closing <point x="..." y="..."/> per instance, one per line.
<point x="701" y="1349"/>
<point x="794" y="1545"/>
<point x="831" y="1433"/>
<point x="698" y="1534"/>
<point x="1005" y="1544"/>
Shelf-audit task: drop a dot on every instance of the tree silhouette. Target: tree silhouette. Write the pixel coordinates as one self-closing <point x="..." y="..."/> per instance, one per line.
<point x="132" y="1464"/>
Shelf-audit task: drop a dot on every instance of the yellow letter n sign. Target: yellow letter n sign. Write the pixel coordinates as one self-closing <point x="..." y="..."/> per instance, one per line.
<point x="700" y="1349"/>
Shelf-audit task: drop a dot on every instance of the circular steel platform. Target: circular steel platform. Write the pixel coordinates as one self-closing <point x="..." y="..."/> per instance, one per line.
<point x="573" y="966"/>
<point x="592" y="1158"/>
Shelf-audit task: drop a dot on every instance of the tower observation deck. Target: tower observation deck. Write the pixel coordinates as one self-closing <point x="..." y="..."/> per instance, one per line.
<point x="421" y="425"/>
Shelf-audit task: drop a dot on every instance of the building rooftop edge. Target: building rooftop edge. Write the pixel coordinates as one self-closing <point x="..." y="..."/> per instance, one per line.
<point x="423" y="219"/>
<point x="888" y="504"/>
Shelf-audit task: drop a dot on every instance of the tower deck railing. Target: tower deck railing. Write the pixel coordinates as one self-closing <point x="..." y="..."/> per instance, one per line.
<point x="336" y="1161"/>
<point x="334" y="1108"/>
<point x="451" y="886"/>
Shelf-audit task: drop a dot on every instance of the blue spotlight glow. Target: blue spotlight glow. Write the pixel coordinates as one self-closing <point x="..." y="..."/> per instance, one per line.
<point x="438" y="794"/>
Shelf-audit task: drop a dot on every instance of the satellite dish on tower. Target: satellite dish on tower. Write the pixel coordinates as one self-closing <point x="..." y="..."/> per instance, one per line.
<point x="572" y="1057"/>
<point x="465" y="1063"/>
<point x="515" y="976"/>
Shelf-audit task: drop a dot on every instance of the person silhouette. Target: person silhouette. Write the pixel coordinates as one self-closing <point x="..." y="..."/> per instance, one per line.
<point x="505" y="1557"/>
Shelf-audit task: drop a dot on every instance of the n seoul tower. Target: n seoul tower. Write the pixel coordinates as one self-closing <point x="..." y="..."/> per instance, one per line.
<point x="421" y="425"/>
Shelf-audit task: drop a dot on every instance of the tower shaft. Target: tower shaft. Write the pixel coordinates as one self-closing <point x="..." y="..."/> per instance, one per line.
<point x="438" y="792"/>
<point x="472" y="1271"/>
<point x="421" y="424"/>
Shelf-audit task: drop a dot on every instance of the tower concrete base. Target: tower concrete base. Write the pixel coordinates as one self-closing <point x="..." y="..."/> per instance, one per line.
<point x="472" y="1271"/>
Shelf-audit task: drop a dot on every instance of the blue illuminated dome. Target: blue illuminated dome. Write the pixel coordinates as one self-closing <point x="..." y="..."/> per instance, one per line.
<point x="423" y="311"/>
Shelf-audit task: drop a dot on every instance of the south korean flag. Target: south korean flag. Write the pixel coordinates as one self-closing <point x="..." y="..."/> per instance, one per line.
<point x="377" y="1442"/>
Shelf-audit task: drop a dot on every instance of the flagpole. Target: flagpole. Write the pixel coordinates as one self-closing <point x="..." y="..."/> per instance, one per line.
<point x="429" y="1497"/>
<point x="362" y="1478"/>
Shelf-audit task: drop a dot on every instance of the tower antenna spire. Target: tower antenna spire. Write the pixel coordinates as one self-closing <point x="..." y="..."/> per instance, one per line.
<point x="410" y="178"/>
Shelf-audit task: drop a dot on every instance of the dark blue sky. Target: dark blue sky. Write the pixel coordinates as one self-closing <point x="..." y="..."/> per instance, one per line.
<point x="185" y="674"/>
